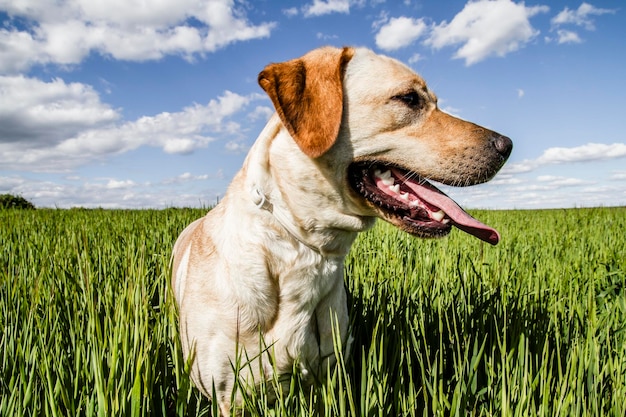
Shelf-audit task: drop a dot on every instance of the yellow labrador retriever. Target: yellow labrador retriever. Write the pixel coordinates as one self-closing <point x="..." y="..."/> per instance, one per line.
<point x="259" y="280"/>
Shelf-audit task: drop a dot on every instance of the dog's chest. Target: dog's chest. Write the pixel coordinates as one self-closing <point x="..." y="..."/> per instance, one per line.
<point x="305" y="289"/>
<point x="305" y="279"/>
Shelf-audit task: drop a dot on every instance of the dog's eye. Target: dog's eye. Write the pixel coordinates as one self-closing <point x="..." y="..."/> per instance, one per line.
<point x="411" y="99"/>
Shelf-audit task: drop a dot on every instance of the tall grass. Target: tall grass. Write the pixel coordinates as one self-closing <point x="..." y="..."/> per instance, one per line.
<point x="533" y="327"/>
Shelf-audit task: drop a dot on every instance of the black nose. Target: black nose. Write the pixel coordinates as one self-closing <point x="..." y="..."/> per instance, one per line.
<point x="503" y="145"/>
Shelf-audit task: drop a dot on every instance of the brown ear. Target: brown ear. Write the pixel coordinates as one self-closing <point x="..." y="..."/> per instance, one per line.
<point x="308" y="95"/>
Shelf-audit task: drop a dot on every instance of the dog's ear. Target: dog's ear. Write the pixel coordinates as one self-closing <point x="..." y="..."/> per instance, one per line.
<point x="308" y="95"/>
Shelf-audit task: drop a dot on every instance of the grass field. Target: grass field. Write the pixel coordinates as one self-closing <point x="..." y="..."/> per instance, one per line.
<point x="533" y="326"/>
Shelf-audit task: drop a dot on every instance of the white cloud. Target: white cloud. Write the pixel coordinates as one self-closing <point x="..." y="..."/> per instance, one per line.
<point x="381" y="20"/>
<point x="116" y="192"/>
<point x="618" y="176"/>
<point x="415" y="58"/>
<point x="580" y="16"/>
<point x="567" y="36"/>
<point x="8" y="184"/>
<point x="559" y="181"/>
<point x="34" y="113"/>
<point x="326" y="37"/>
<point x="237" y="147"/>
<point x="115" y="184"/>
<point x="551" y="190"/>
<point x="520" y="93"/>
<point x="485" y="28"/>
<point x="180" y="132"/>
<point x="505" y="179"/>
<point x="584" y="153"/>
<point x="322" y="7"/>
<point x="189" y="177"/>
<point x="291" y="12"/>
<point x="56" y="126"/>
<point x="559" y="155"/>
<point x="399" y="32"/>
<point x="526" y="165"/>
<point x="261" y="113"/>
<point x="447" y="108"/>
<point x="65" y="32"/>
<point x="606" y="192"/>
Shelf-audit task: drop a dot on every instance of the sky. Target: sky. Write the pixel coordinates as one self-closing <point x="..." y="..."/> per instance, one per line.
<point x="154" y="103"/>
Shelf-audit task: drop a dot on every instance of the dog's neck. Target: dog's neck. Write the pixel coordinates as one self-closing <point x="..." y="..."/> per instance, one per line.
<point x="263" y="203"/>
<point x="284" y="194"/>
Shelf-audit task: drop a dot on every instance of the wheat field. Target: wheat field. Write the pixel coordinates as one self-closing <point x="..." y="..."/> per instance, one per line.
<point x="535" y="326"/>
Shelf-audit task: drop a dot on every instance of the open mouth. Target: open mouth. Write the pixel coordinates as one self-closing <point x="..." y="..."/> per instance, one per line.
<point x="410" y="202"/>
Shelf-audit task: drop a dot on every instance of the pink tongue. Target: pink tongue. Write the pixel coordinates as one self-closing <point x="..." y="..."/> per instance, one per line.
<point x="460" y="218"/>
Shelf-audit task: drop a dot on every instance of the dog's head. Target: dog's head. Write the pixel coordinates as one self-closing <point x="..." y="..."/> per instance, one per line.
<point x="376" y="125"/>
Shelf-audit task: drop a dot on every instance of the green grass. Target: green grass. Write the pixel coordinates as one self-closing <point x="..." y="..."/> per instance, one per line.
<point x="533" y="326"/>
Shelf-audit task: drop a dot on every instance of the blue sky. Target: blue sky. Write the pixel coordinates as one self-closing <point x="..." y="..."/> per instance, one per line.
<point x="154" y="103"/>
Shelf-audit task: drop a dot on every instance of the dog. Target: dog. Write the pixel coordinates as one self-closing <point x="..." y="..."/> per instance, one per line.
<point x="356" y="136"/>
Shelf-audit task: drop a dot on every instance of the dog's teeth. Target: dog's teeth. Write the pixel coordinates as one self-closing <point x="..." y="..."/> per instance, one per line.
<point x="439" y="215"/>
<point x="404" y="196"/>
<point x="395" y="188"/>
<point x="445" y="221"/>
<point x="384" y="176"/>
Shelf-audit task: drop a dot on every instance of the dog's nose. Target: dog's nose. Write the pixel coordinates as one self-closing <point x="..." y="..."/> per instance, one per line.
<point x="503" y="145"/>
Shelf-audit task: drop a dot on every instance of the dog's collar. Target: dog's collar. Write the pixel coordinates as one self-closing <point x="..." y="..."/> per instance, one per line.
<point x="262" y="202"/>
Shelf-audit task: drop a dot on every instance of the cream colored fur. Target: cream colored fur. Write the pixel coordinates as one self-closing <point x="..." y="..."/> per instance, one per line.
<point x="267" y="262"/>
